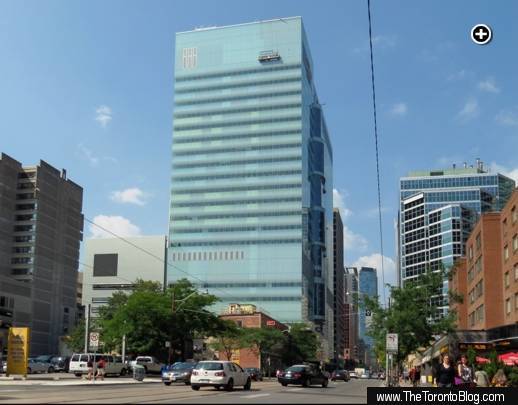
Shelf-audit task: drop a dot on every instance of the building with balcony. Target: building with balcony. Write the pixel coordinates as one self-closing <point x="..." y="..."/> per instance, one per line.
<point x="439" y="208"/>
<point x="251" y="215"/>
<point x="41" y="227"/>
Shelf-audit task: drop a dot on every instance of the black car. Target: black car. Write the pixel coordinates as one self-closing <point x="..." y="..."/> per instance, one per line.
<point x="342" y="375"/>
<point x="304" y="375"/>
<point x="60" y="363"/>
<point x="254" y="373"/>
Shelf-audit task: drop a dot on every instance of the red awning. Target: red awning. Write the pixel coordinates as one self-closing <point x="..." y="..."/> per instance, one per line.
<point x="509" y="359"/>
<point x="482" y="360"/>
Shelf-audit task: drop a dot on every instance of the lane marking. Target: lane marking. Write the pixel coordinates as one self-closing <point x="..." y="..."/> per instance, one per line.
<point x="255" y="396"/>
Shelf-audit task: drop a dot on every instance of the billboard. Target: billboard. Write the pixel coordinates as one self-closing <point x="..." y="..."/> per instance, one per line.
<point x="17" y="351"/>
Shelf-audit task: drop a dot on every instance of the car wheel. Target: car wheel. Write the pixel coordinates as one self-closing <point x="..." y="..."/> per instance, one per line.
<point x="168" y="383"/>
<point x="230" y="385"/>
<point x="305" y="383"/>
<point x="324" y="383"/>
<point x="284" y="384"/>
<point x="195" y="387"/>
<point x="78" y="374"/>
<point x="217" y="387"/>
<point x="29" y="371"/>
<point x="123" y="372"/>
<point x="187" y="382"/>
<point x="50" y="370"/>
<point x="248" y="385"/>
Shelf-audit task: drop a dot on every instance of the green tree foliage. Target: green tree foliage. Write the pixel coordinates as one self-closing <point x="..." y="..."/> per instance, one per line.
<point x="150" y="316"/>
<point x="412" y="315"/>
<point x="229" y="339"/>
<point x="301" y="344"/>
<point x="76" y="340"/>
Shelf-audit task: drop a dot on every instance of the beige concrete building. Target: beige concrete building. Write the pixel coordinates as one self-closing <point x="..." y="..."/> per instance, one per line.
<point x="41" y="228"/>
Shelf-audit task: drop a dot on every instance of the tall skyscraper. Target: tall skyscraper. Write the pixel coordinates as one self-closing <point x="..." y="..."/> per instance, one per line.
<point x="368" y="286"/>
<point x="438" y="211"/>
<point x="338" y="286"/>
<point x="351" y="313"/>
<point x="251" y="213"/>
<point x="40" y="232"/>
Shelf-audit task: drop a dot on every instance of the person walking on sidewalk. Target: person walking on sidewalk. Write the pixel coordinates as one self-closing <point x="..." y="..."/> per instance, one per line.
<point x="465" y="372"/>
<point x="90" y="366"/>
<point x="445" y="375"/>
<point x="101" y="364"/>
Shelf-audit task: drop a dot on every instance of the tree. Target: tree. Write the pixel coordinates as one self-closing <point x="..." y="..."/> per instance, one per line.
<point x="230" y="339"/>
<point x="413" y="315"/>
<point x="301" y="344"/>
<point x="150" y="316"/>
<point x="76" y="340"/>
<point x="265" y="342"/>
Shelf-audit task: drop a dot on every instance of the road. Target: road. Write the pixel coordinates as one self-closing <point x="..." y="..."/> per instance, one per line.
<point x="354" y="391"/>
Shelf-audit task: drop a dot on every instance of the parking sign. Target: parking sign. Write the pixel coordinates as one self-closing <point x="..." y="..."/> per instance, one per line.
<point x="392" y="342"/>
<point x="94" y="340"/>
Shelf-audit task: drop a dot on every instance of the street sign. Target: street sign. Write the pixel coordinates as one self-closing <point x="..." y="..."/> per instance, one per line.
<point x="392" y="342"/>
<point x="17" y="351"/>
<point x="94" y="340"/>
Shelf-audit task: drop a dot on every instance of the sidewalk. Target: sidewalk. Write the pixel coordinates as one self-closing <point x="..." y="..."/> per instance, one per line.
<point x="56" y="381"/>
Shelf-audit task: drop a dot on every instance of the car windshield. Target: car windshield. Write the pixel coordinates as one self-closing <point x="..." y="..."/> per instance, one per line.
<point x="210" y="365"/>
<point x="254" y="370"/>
<point x="297" y="368"/>
<point x="182" y="366"/>
<point x="43" y="358"/>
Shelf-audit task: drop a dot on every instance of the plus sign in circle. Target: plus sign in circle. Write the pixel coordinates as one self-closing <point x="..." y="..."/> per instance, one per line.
<point x="481" y="34"/>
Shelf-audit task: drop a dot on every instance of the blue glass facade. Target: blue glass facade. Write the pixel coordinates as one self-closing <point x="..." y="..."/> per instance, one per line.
<point x="251" y="191"/>
<point x="438" y="210"/>
<point x="368" y="285"/>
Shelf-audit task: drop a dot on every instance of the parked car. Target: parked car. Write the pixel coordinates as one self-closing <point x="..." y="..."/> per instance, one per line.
<point x="39" y="366"/>
<point x="219" y="374"/>
<point x="150" y="364"/>
<point x="60" y="363"/>
<point x="304" y="375"/>
<point x="352" y="374"/>
<point x="178" y="372"/>
<point x="340" y="375"/>
<point x="365" y="375"/>
<point x="254" y="373"/>
<point x="79" y="364"/>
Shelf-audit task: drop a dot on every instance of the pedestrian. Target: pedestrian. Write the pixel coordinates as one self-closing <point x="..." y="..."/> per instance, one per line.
<point x="481" y="377"/>
<point x="411" y="374"/>
<point x="445" y="375"/>
<point x="499" y="379"/>
<point x="465" y="372"/>
<point x="90" y="367"/>
<point x="417" y="376"/>
<point x="101" y="364"/>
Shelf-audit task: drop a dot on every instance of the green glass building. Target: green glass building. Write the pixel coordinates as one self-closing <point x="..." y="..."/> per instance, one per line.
<point x="251" y="215"/>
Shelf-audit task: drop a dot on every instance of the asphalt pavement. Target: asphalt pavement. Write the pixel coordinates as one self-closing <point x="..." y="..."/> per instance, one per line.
<point x="354" y="391"/>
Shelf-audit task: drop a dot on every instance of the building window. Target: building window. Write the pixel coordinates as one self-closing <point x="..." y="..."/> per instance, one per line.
<point x="514" y="214"/>
<point x="477" y="241"/>
<point x="508" y="306"/>
<point x="506" y="279"/>
<point x="516" y="272"/>
<point x="515" y="243"/>
<point x="506" y="252"/>
<point x="189" y="58"/>
<point x="516" y="301"/>
<point x="105" y="265"/>
<point x="470" y="252"/>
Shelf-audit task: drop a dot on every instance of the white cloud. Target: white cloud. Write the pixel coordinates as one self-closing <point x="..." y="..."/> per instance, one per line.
<point x="506" y="171"/>
<point x="88" y="155"/>
<point x="103" y="115"/>
<point x="489" y="85"/>
<point x="389" y="266"/>
<point x="379" y="42"/>
<point x="133" y="195"/>
<point x="469" y="111"/>
<point x="352" y="241"/>
<point x="399" y="109"/>
<point x="118" y="225"/>
<point x="508" y="117"/>
<point x="457" y="76"/>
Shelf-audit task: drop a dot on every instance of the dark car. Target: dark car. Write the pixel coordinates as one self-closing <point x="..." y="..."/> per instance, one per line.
<point x="342" y="375"/>
<point x="60" y="363"/>
<point x="254" y="373"/>
<point x="304" y="375"/>
<point x="178" y="372"/>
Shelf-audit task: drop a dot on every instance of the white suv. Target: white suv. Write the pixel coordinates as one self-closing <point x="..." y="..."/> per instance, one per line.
<point x="219" y="374"/>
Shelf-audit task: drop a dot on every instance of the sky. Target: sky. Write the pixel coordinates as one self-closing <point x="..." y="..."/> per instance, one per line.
<point x="88" y="86"/>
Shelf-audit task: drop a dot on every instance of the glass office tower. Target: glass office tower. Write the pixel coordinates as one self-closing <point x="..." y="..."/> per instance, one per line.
<point x="368" y="286"/>
<point x="251" y="215"/>
<point x="438" y="211"/>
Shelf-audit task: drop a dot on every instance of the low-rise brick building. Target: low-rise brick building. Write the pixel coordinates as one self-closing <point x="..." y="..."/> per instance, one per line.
<point x="247" y="316"/>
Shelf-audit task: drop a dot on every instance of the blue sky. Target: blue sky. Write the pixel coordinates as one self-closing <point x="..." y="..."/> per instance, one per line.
<point x="88" y="86"/>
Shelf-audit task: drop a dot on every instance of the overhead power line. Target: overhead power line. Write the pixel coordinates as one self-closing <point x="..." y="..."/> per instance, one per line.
<point x="377" y="149"/>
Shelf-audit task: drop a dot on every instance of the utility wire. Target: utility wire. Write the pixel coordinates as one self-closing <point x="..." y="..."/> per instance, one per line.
<point x="377" y="150"/>
<point x="161" y="260"/>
